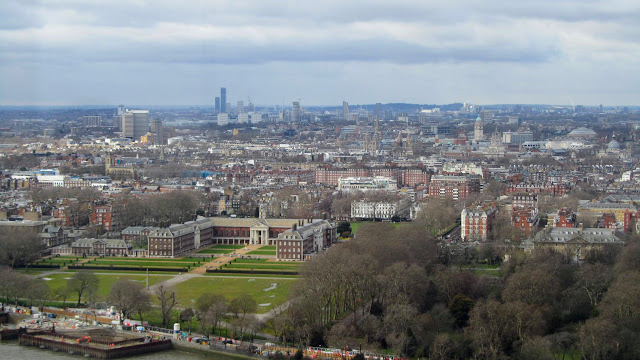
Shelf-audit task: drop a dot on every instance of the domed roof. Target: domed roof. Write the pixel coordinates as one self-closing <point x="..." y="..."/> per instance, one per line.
<point x="582" y="131"/>
<point x="613" y="145"/>
<point x="478" y="118"/>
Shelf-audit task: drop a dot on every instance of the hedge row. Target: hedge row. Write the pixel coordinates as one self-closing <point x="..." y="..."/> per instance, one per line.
<point x="128" y="268"/>
<point x="44" y="266"/>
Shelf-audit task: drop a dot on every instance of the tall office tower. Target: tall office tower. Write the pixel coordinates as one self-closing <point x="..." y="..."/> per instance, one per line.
<point x="478" y="129"/>
<point x="378" y="110"/>
<point x="345" y="110"/>
<point x="486" y="115"/>
<point x="217" y="104"/>
<point x="120" y="110"/>
<point x="156" y="130"/>
<point x="250" y="107"/>
<point x="223" y="100"/>
<point x="295" y="111"/>
<point x="240" y="107"/>
<point x="135" y="123"/>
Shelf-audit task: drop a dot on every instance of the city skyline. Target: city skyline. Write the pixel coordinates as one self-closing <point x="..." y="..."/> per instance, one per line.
<point x="75" y="52"/>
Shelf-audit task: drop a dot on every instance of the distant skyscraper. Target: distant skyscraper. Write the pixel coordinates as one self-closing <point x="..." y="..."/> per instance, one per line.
<point x="295" y="111"/>
<point x="378" y="110"/>
<point x="345" y="110"/>
<point x="120" y="110"/>
<point x="156" y="130"/>
<point x="217" y="104"/>
<point x="486" y="115"/>
<point x="135" y="123"/>
<point x="223" y="100"/>
<point x="240" y="107"/>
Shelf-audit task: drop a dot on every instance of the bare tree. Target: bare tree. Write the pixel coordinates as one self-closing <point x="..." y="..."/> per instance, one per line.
<point x="83" y="282"/>
<point x="167" y="298"/>
<point x="128" y="296"/>
<point x="241" y="307"/>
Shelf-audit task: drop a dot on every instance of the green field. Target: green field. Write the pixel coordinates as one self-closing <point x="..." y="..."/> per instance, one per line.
<point x="260" y="252"/>
<point x="355" y="226"/>
<point x="106" y="281"/>
<point x="232" y="247"/>
<point x="191" y="289"/>
<point x="215" y="251"/>
<point x="267" y="248"/>
<point x="263" y="266"/>
<point x="250" y="275"/>
<point x="143" y="263"/>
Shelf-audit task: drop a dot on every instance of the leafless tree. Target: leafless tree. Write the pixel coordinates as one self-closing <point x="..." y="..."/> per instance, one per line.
<point x="167" y="298"/>
<point x="83" y="282"/>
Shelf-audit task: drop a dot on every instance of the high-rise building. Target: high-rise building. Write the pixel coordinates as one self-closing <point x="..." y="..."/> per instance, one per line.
<point x="120" y="110"/>
<point x="217" y="104"/>
<point x="378" y="110"/>
<point x="240" y="107"/>
<point x="345" y="109"/>
<point x="135" y="123"/>
<point x="223" y="100"/>
<point x="156" y="130"/>
<point x="486" y="115"/>
<point x="295" y="111"/>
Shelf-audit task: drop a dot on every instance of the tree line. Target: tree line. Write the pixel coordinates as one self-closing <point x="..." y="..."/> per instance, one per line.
<point x="391" y="288"/>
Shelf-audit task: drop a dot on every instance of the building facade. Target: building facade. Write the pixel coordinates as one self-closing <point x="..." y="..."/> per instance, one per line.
<point x="453" y="187"/>
<point x="476" y="223"/>
<point x="135" y="123"/>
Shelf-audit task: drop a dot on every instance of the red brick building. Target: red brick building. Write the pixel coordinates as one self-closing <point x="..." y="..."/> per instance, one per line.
<point x="525" y="219"/>
<point x="302" y="242"/>
<point x="453" y="187"/>
<point x="108" y="247"/>
<point x="565" y="218"/>
<point x="476" y="223"/>
<point x="106" y="217"/>
<point x="404" y="176"/>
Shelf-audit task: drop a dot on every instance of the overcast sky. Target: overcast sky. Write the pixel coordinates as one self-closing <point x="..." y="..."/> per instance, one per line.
<point x="73" y="52"/>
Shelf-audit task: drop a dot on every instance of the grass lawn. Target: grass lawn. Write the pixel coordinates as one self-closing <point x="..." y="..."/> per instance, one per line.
<point x="127" y="272"/>
<point x="262" y="266"/>
<point x="250" y="261"/>
<point x="489" y="273"/>
<point x="232" y="247"/>
<point x="215" y="251"/>
<point x="268" y="247"/>
<point x="260" y="252"/>
<point x="248" y="275"/>
<point x="144" y="263"/>
<point x="106" y="281"/>
<point x="355" y="226"/>
<point x="191" y="289"/>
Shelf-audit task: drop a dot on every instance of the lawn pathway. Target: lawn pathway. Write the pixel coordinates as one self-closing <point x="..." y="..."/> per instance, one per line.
<point x="224" y="259"/>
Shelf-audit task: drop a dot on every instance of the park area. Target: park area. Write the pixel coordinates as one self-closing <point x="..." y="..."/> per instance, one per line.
<point x="258" y="267"/>
<point x="221" y="249"/>
<point x="142" y="264"/>
<point x="59" y="281"/>
<point x="268" y="293"/>
<point x="267" y="250"/>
